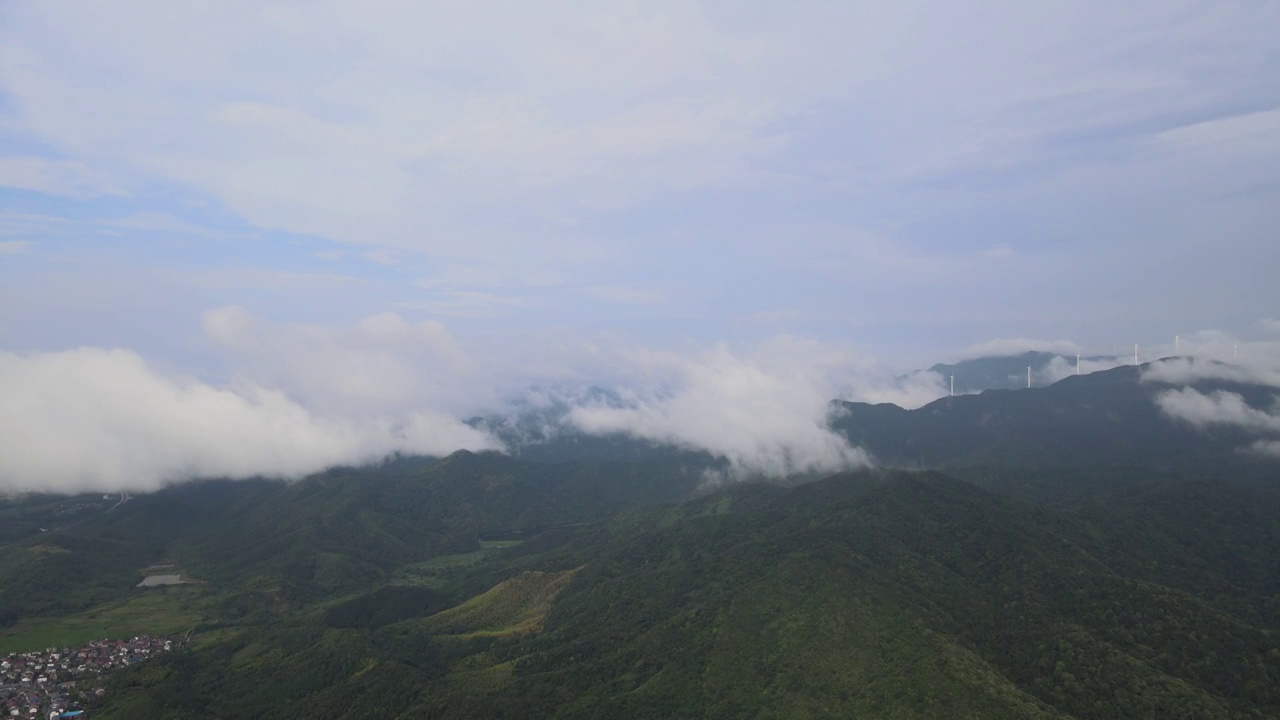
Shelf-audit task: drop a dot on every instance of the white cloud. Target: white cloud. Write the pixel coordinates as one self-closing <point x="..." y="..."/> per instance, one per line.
<point x="1217" y="408"/>
<point x="1060" y="368"/>
<point x="909" y="391"/>
<point x="489" y="276"/>
<point x="382" y="364"/>
<point x="623" y="294"/>
<point x="766" y="412"/>
<point x="303" y="397"/>
<point x="408" y="124"/>
<point x="163" y="222"/>
<point x="1256" y="133"/>
<point x="1255" y="367"/>
<point x="1226" y="409"/>
<point x="13" y="247"/>
<point x="95" y="419"/>
<point x="382" y="257"/>
<point x="56" y="177"/>
<point x="1269" y="325"/>
<point x="1003" y="347"/>
<point x="1266" y="448"/>
<point x="470" y="304"/>
<point x="387" y="136"/>
<point x="260" y="278"/>
<point x="575" y="143"/>
<point x="299" y="397"/>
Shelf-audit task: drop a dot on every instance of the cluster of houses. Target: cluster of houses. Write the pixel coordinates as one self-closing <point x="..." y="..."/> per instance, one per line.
<point x="75" y="508"/>
<point x="56" y="683"/>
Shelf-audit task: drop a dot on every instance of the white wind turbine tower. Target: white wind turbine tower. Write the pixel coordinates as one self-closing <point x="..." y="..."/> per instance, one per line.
<point x="953" y="386"/>
<point x="1176" y="344"/>
<point x="1028" y="376"/>
<point x="1077" y="363"/>
<point x="1135" y="354"/>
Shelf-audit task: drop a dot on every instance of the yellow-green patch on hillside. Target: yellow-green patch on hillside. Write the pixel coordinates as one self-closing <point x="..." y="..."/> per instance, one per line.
<point x="515" y="606"/>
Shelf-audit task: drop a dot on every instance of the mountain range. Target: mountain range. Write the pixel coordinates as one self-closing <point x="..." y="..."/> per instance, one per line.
<point x="1071" y="551"/>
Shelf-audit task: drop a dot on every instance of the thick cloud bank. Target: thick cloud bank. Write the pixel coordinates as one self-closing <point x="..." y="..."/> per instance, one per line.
<point x="300" y="398"/>
<point x="767" y="412"/>
<point x="93" y="419"/>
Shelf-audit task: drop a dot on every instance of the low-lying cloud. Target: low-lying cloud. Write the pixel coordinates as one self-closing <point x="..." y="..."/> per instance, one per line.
<point x="766" y="413"/>
<point x="1257" y="368"/>
<point x="1060" y="368"/>
<point x="295" y="399"/>
<point x="380" y="364"/>
<point x="1005" y="347"/>
<point x="1216" y="408"/>
<point x="1222" y="407"/>
<point x="95" y="419"/>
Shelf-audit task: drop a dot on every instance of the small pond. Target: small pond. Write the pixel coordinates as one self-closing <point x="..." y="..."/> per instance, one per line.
<point x="154" y="580"/>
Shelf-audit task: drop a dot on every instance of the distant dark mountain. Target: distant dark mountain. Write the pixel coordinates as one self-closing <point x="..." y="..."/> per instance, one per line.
<point x="1104" y="418"/>
<point x="996" y="373"/>
<point x="1003" y="372"/>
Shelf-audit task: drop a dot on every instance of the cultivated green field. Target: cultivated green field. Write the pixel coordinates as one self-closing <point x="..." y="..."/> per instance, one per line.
<point x="153" y="611"/>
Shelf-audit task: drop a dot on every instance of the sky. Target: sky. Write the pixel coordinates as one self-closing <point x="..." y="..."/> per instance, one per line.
<point x="325" y="231"/>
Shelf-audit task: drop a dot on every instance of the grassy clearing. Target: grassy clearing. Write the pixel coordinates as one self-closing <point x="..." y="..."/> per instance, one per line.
<point x="445" y="562"/>
<point x="155" y="611"/>
<point x="491" y="544"/>
<point x="512" y="607"/>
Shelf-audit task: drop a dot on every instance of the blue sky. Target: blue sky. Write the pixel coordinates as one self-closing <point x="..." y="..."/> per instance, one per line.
<point x="892" y="183"/>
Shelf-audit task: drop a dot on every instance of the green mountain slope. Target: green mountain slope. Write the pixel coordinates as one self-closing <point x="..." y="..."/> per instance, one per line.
<point x="1105" y="418"/>
<point x="899" y="595"/>
<point x="267" y="543"/>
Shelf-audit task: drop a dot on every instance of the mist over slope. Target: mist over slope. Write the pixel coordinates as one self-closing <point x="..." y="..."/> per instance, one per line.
<point x="303" y="399"/>
<point x="1010" y="372"/>
<point x="1127" y="415"/>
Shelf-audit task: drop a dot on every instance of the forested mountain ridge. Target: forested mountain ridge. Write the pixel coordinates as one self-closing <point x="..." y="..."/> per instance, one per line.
<point x="1109" y="417"/>
<point x="1104" y="418"/>
<point x="327" y="534"/>
<point x="1079" y="554"/>
<point x="1001" y="372"/>
<point x="883" y="594"/>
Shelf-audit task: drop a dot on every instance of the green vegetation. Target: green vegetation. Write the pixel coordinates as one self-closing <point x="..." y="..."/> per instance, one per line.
<point x="158" y="611"/>
<point x="897" y="595"/>
<point x="1104" y="418"/>
<point x="485" y="586"/>
<point x="512" y="607"/>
